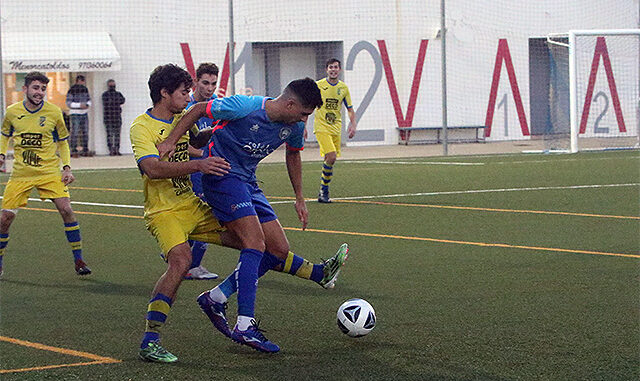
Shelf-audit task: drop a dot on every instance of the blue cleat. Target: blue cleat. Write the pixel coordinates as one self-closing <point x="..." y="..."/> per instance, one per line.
<point x="216" y="312"/>
<point x="254" y="338"/>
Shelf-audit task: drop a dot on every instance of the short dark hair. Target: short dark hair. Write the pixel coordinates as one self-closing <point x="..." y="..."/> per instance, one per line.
<point x="80" y="78"/>
<point x="168" y="77"/>
<point x="35" y="76"/>
<point x="333" y="60"/>
<point x="306" y="90"/>
<point x="206" y="68"/>
<point x="111" y="80"/>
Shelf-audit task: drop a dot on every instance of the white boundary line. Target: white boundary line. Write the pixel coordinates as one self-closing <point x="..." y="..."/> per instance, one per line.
<point x="528" y="189"/>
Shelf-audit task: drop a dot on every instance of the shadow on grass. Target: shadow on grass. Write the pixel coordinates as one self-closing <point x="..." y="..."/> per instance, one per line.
<point x="90" y="285"/>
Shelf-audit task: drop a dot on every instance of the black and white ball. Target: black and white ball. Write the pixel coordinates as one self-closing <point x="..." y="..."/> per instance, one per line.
<point x="356" y="317"/>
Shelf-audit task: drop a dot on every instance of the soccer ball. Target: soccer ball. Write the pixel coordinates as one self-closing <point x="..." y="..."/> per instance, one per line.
<point x="356" y="317"/>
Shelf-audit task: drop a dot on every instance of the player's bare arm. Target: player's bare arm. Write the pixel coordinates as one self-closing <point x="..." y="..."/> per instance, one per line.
<point x="352" y="125"/>
<point x="196" y="112"/>
<point x="156" y="169"/>
<point x="294" y="168"/>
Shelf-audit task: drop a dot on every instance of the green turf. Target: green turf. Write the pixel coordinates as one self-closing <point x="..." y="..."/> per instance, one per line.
<point x="452" y="311"/>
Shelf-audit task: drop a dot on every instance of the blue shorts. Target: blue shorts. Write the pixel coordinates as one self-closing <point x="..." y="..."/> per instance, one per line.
<point x="231" y="198"/>
<point x="196" y="180"/>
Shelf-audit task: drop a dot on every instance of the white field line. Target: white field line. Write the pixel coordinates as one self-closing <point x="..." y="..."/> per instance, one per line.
<point x="476" y="191"/>
<point x="417" y="161"/>
<point x="592" y="186"/>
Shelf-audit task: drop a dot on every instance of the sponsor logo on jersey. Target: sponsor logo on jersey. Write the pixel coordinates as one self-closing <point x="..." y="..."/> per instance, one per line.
<point x="258" y="150"/>
<point x="31" y="140"/>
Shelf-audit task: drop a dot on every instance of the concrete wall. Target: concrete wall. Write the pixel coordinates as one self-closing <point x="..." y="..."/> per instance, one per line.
<point x="148" y="33"/>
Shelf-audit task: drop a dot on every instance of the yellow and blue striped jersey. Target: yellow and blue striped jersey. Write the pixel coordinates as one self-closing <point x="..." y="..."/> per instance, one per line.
<point x="35" y="136"/>
<point x="328" y="118"/>
<point x="161" y="194"/>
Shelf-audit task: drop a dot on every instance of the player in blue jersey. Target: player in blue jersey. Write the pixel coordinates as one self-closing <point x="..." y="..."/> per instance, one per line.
<point x="204" y="90"/>
<point x="250" y="128"/>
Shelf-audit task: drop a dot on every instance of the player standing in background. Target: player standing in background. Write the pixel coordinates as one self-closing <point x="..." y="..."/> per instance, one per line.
<point x="205" y="86"/>
<point x="39" y="131"/>
<point x="327" y="125"/>
<point x="251" y="128"/>
<point x="174" y="214"/>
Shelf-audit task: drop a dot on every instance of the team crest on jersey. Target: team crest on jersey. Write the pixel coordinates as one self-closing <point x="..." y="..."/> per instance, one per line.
<point x="284" y="133"/>
<point x="42" y="120"/>
<point x="339" y="91"/>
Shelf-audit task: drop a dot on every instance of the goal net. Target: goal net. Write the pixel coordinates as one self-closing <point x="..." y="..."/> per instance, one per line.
<point x="594" y="92"/>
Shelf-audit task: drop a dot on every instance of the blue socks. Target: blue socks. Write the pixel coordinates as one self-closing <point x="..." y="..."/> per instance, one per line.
<point x="247" y="281"/>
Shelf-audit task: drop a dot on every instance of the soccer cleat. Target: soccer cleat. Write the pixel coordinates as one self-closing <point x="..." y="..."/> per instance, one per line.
<point x="254" y="338"/>
<point x="154" y="352"/>
<point x="323" y="197"/>
<point x="216" y="312"/>
<point x="200" y="272"/>
<point x="81" y="268"/>
<point x="333" y="265"/>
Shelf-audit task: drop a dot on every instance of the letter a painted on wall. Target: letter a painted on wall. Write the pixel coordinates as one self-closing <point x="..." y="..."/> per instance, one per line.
<point x="503" y="54"/>
<point x="601" y="51"/>
<point x="403" y="121"/>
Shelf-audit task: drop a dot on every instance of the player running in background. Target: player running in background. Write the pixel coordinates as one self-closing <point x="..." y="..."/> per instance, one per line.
<point x="174" y="214"/>
<point x="327" y="125"/>
<point x="251" y="128"/>
<point x="205" y="86"/>
<point x="39" y="131"/>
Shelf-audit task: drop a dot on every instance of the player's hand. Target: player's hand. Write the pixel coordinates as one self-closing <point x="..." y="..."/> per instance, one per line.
<point x="67" y="177"/>
<point x="165" y="149"/>
<point x="303" y="213"/>
<point x="305" y="135"/>
<point x="214" y="165"/>
<point x="2" y="159"/>
<point x="220" y="92"/>
<point x="351" y="130"/>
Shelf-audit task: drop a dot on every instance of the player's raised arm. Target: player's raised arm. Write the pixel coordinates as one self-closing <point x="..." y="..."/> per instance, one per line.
<point x="196" y="112"/>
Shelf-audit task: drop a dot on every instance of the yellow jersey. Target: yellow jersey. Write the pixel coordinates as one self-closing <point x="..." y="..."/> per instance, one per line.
<point x="35" y="134"/>
<point x="328" y="118"/>
<point x="161" y="194"/>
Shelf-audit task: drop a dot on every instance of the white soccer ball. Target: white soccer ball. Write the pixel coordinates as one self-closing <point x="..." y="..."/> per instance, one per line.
<point x="356" y="317"/>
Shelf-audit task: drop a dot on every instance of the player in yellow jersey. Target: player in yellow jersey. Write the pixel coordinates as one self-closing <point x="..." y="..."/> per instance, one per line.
<point x="38" y="131"/>
<point x="174" y="214"/>
<point x="327" y="125"/>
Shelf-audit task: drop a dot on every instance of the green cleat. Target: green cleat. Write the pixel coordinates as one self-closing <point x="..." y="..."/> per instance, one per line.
<point x="333" y="265"/>
<point x="154" y="352"/>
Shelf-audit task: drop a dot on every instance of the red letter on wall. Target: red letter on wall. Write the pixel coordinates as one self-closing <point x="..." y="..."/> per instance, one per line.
<point x="415" y="86"/>
<point x="601" y="51"/>
<point x="503" y="54"/>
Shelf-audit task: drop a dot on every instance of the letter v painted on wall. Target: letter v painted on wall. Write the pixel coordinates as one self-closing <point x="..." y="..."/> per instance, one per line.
<point x="403" y="120"/>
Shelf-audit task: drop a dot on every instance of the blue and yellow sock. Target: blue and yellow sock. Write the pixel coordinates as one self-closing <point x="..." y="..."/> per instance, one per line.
<point x="157" y="312"/>
<point x="4" y="240"/>
<point x="197" y="252"/>
<point x="72" y="231"/>
<point x="247" y="278"/>
<point x="327" y="174"/>
<point x="302" y="268"/>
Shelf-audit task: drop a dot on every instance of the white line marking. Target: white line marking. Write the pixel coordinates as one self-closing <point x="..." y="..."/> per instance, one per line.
<point x="125" y="206"/>
<point x="411" y="162"/>
<point x="589" y="186"/>
<point x="476" y="191"/>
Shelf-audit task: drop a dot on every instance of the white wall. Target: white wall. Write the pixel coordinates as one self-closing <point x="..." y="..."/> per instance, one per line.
<point x="148" y="33"/>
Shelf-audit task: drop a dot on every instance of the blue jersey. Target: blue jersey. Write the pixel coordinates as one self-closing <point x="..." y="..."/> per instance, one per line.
<point x="203" y="122"/>
<point x="245" y="135"/>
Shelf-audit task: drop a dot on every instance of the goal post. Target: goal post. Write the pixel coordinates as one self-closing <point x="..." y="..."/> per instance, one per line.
<point x="611" y="58"/>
